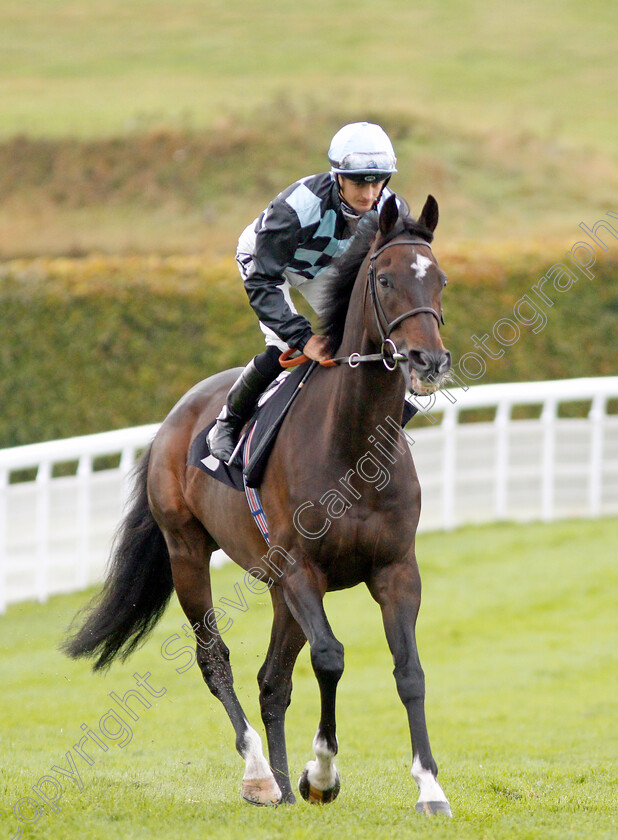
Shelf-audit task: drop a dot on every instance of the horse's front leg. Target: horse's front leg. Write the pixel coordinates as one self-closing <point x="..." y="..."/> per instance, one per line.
<point x="275" y="681"/>
<point x="303" y="592"/>
<point x="397" y="589"/>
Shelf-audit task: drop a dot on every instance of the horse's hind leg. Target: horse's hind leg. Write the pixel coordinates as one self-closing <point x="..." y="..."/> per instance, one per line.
<point x="190" y="547"/>
<point x="275" y="681"/>
<point x="397" y="589"/>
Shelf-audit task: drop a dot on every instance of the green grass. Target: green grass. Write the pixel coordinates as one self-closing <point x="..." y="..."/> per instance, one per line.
<point x="516" y="640"/>
<point x="77" y="67"/>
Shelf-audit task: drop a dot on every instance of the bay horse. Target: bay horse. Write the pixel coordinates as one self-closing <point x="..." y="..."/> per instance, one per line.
<point x="340" y="512"/>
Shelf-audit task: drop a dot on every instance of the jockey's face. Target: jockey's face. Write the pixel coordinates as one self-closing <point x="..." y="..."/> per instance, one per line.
<point x="361" y="196"/>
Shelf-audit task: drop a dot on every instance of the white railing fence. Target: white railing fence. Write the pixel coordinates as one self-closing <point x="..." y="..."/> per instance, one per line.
<point x="56" y="531"/>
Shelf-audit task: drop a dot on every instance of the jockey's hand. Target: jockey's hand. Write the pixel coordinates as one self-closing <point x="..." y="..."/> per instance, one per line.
<point x="316" y="348"/>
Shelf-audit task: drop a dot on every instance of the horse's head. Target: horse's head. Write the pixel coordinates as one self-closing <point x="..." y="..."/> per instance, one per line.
<point x="404" y="294"/>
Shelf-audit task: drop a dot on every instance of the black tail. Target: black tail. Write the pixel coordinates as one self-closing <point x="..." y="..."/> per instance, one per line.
<point x="137" y="588"/>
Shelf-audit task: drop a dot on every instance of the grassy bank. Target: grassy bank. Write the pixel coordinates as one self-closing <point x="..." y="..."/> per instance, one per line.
<point x="517" y="648"/>
<point x="138" y="126"/>
<point x="170" y="191"/>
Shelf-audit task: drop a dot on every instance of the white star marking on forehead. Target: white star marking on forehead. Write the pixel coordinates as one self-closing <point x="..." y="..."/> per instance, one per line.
<point x="420" y="266"/>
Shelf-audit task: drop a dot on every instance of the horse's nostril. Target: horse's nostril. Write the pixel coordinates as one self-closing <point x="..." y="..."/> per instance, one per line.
<point x="419" y="360"/>
<point x="429" y="363"/>
<point x="445" y="364"/>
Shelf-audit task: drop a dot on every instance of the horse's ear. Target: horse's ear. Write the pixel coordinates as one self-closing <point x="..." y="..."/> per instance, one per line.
<point x="429" y="214"/>
<point x="389" y="215"/>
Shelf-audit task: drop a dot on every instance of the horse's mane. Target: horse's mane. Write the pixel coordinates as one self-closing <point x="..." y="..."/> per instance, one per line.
<point x="338" y="287"/>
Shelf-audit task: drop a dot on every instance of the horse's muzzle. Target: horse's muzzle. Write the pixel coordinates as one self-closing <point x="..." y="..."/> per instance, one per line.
<point x="429" y="365"/>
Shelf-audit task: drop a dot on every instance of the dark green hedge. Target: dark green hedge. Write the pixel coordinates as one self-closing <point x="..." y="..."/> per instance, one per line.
<point x="94" y="345"/>
<point x="99" y="343"/>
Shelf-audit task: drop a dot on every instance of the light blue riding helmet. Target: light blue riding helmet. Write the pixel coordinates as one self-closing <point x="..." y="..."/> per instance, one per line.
<point x="362" y="151"/>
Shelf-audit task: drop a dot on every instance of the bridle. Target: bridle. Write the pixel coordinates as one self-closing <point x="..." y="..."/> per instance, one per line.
<point x="385" y="327"/>
<point x="388" y="355"/>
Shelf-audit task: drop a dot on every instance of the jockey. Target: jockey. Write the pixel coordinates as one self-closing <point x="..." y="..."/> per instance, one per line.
<point x="293" y="243"/>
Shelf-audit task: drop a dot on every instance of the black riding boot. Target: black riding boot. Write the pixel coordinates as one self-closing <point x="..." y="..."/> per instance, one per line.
<point x="241" y="402"/>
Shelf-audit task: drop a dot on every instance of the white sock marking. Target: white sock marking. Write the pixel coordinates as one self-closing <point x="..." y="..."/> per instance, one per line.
<point x="428" y="787"/>
<point x="322" y="773"/>
<point x="256" y="766"/>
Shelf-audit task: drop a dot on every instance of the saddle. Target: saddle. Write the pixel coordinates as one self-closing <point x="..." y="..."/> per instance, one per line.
<point x="258" y="437"/>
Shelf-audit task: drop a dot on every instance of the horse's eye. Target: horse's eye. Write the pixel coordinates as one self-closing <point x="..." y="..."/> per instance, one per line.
<point x="383" y="280"/>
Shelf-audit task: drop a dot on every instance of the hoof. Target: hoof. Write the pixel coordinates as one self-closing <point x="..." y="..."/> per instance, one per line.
<point x="433" y="808"/>
<point x="261" y="792"/>
<point x="315" y="796"/>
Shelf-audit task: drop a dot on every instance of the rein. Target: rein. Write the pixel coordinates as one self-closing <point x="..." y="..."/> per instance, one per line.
<point x="388" y="355"/>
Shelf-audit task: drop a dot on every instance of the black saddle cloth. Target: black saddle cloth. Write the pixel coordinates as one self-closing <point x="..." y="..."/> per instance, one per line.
<point x="260" y="433"/>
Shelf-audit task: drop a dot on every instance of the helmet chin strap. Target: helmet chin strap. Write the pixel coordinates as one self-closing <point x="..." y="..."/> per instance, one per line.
<point x="348" y="212"/>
